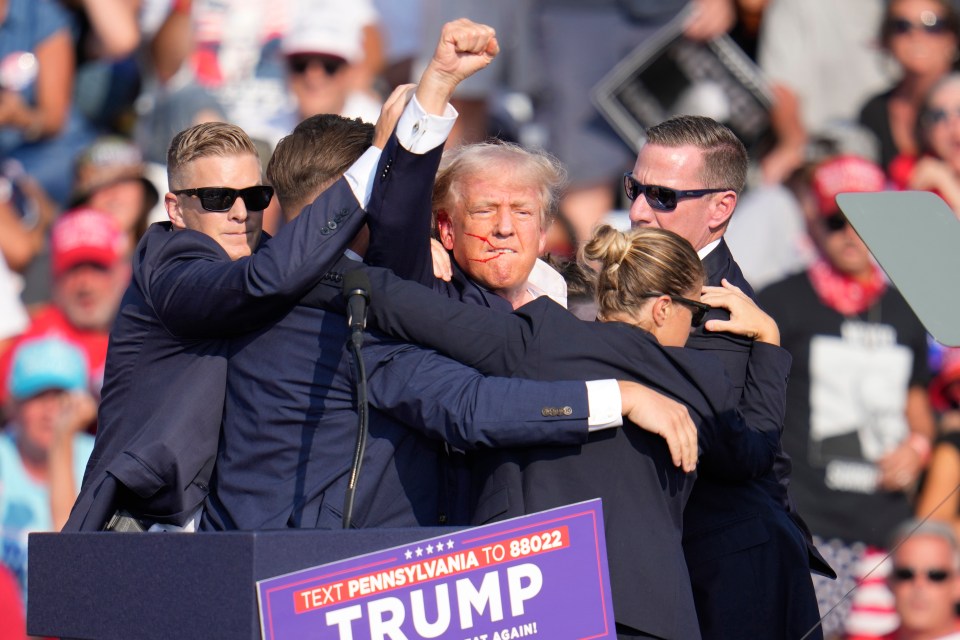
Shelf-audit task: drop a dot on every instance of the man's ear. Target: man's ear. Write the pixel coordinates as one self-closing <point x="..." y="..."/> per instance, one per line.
<point x="722" y="209"/>
<point x="445" y="229"/>
<point x="172" y="204"/>
<point x="543" y="237"/>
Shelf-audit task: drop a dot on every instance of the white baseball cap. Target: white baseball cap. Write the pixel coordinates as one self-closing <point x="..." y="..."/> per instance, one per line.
<point x="323" y="32"/>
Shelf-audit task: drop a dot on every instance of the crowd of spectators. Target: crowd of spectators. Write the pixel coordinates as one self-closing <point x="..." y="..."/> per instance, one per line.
<point x="865" y="96"/>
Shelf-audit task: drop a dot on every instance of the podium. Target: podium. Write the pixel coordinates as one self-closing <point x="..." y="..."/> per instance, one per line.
<point x="176" y="585"/>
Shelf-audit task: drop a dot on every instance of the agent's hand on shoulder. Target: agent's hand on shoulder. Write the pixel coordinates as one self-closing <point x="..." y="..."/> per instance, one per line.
<point x="746" y="318"/>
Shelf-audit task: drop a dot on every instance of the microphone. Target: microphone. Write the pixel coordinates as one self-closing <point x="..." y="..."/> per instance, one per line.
<point x="356" y="288"/>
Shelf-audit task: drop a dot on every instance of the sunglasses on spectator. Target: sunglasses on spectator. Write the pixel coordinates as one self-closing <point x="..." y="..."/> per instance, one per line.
<point x="835" y="222"/>
<point x="908" y="574"/>
<point x="699" y="309"/>
<point x="299" y="63"/>
<point x="220" y="199"/>
<point x="935" y="116"/>
<point x="929" y="24"/>
<point x="661" y="198"/>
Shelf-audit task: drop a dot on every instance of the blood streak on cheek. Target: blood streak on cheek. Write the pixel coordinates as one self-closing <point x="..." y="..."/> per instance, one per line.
<point x="485" y="240"/>
<point x="480" y="238"/>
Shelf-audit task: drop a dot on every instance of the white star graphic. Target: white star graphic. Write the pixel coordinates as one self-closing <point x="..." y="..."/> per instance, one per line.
<point x="408" y="554"/>
<point x="419" y="552"/>
<point x="429" y="549"/>
<point x="449" y="544"/>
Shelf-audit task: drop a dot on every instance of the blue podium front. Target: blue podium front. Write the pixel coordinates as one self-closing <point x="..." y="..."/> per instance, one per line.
<point x="172" y="585"/>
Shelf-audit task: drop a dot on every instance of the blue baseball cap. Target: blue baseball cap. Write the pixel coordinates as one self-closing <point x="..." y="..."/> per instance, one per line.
<point x="46" y="363"/>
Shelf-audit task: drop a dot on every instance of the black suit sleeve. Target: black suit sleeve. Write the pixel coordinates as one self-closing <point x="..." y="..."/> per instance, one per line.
<point x="732" y="349"/>
<point x="399" y="212"/>
<point x="449" y="401"/>
<point x="482" y="338"/>
<point x="197" y="292"/>
<point x="744" y="442"/>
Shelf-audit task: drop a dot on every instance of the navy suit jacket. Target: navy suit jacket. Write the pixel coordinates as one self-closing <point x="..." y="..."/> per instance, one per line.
<point x="725" y="520"/>
<point x="290" y="425"/>
<point x="643" y="494"/>
<point x="733" y="350"/>
<point x="164" y="379"/>
<point x="290" y="414"/>
<point x="704" y="512"/>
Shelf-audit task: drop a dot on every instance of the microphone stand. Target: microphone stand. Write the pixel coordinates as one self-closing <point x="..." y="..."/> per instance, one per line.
<point x="355" y="288"/>
<point x="360" y="372"/>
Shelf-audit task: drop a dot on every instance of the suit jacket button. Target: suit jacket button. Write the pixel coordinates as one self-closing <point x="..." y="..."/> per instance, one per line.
<point x="332" y="224"/>
<point x="567" y="411"/>
<point x="545" y="412"/>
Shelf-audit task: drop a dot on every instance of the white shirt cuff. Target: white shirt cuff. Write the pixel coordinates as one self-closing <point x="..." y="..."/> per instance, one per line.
<point x="361" y="173"/>
<point x="603" y="398"/>
<point x="419" y="131"/>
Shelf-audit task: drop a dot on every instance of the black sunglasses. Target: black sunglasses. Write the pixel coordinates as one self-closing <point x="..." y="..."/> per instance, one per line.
<point x="221" y="199"/>
<point x="298" y="64"/>
<point x="908" y="574"/>
<point x="934" y="25"/>
<point x="835" y="222"/>
<point x="661" y="198"/>
<point x="699" y="309"/>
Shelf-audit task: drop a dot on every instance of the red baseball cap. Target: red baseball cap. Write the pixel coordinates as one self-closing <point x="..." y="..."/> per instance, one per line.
<point x="85" y="235"/>
<point x="843" y="174"/>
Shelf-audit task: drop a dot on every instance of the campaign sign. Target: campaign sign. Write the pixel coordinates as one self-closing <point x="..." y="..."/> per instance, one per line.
<point x="538" y="576"/>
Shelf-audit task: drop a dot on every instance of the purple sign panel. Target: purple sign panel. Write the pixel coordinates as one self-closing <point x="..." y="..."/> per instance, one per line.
<point x="541" y="576"/>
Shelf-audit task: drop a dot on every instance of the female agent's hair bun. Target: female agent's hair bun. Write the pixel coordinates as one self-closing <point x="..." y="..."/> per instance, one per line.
<point x="609" y="247"/>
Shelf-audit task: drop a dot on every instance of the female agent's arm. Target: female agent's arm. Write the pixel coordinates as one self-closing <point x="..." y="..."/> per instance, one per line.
<point x="746" y="318"/>
<point x="495" y="343"/>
